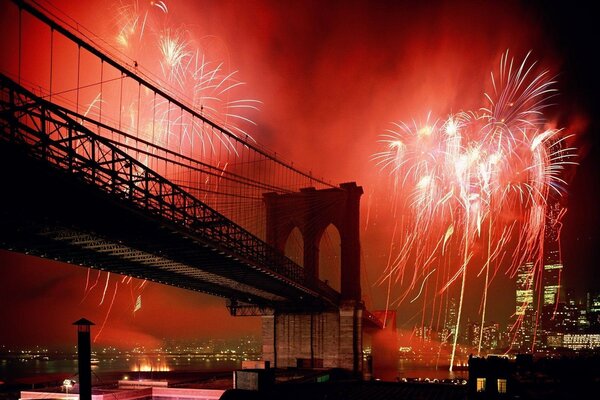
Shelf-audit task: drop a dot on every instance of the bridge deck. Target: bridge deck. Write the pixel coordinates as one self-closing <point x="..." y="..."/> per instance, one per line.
<point x="73" y="196"/>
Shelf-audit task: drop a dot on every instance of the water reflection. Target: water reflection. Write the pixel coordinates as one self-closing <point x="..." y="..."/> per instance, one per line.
<point x="12" y="369"/>
<point x="150" y="365"/>
<point x="414" y="370"/>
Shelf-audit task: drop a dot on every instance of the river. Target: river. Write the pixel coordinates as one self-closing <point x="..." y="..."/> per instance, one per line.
<point x="14" y="369"/>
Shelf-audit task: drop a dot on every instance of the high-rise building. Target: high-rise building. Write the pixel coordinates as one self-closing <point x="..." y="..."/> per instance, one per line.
<point x="526" y="298"/>
<point x="450" y="321"/>
<point x="551" y="278"/>
<point x="490" y="339"/>
<point x="551" y="275"/>
<point x="423" y="332"/>
<point x="593" y="311"/>
<point x="570" y="316"/>
<point x="524" y="294"/>
<point x="524" y="306"/>
<point x="594" y="303"/>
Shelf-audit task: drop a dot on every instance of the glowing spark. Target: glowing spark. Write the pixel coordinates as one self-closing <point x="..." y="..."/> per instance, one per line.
<point x="105" y="287"/>
<point x="108" y="312"/>
<point x="423" y="284"/>
<point x="452" y="177"/>
<point x="160" y="5"/>
<point x="138" y="303"/>
<point x="179" y="63"/>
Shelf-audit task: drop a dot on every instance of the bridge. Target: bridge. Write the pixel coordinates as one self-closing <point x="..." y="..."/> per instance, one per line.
<point x="106" y="168"/>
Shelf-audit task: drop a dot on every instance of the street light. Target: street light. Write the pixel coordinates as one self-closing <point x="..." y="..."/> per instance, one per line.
<point x="68" y="384"/>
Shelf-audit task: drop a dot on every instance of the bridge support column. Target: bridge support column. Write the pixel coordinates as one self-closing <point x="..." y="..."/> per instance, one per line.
<point x="329" y="339"/>
<point x="350" y="342"/>
<point x="269" y="336"/>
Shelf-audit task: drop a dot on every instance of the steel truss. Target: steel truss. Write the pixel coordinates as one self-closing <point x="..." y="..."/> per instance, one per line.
<point x="55" y="136"/>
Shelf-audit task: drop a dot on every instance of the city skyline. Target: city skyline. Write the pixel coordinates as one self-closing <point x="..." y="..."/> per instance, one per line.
<point x="341" y="86"/>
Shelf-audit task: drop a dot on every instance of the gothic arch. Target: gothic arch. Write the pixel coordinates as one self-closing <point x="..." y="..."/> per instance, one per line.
<point x="294" y="246"/>
<point x="329" y="267"/>
<point x="312" y="211"/>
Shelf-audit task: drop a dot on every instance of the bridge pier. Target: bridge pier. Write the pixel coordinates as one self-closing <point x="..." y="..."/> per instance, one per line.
<point x="328" y="339"/>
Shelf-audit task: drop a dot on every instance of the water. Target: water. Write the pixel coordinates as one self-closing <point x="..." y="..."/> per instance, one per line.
<point x="14" y="370"/>
<point x="411" y="369"/>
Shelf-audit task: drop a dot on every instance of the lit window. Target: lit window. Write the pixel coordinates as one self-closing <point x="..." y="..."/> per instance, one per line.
<point x="481" y="384"/>
<point x="501" y="385"/>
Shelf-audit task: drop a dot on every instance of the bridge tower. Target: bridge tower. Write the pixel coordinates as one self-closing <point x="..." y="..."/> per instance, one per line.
<point x="325" y="338"/>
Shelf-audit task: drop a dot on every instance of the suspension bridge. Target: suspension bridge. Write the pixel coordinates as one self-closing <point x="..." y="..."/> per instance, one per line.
<point x="107" y="167"/>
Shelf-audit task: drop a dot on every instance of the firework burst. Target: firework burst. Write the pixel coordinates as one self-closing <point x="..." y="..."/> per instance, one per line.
<point x="177" y="62"/>
<point x="171" y="57"/>
<point x="459" y="182"/>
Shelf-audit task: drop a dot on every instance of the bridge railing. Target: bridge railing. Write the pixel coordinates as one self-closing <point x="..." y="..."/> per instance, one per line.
<point x="52" y="135"/>
<point x="189" y="184"/>
<point x="164" y="125"/>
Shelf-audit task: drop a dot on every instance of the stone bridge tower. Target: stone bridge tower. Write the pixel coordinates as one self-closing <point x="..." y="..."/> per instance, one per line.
<point x="327" y="338"/>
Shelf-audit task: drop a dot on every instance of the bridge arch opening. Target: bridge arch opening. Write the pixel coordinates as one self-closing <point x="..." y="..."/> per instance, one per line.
<point x="312" y="211"/>
<point x="294" y="247"/>
<point x="330" y="267"/>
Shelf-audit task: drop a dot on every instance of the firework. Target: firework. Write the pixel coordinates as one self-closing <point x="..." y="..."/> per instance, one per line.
<point x="459" y="181"/>
<point x="170" y="56"/>
<point x="145" y="35"/>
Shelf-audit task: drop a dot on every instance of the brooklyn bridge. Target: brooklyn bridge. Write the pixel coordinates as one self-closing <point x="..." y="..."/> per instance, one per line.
<point x="105" y="167"/>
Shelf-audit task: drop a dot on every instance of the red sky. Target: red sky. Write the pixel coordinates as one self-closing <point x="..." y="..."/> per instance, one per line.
<point x="332" y="76"/>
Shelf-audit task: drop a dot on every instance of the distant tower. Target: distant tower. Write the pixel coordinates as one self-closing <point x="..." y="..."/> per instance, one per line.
<point x="491" y="335"/>
<point x="552" y="273"/>
<point x="524" y="293"/>
<point x="524" y="305"/>
<point x="552" y="260"/>
<point x="594" y="311"/>
<point x="450" y="324"/>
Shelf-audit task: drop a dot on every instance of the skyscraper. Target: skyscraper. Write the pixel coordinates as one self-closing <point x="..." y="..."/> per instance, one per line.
<point x="524" y="294"/>
<point x="551" y="274"/>
<point x="450" y="321"/>
<point x="524" y="306"/>
<point x="551" y="278"/>
<point x="594" y="311"/>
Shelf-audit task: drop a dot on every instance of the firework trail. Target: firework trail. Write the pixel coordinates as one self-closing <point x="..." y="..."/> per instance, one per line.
<point x="454" y="177"/>
<point x="170" y="56"/>
<point x="145" y="35"/>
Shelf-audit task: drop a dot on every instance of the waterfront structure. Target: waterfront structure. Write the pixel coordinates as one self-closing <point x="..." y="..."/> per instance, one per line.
<point x="574" y="341"/>
<point x="84" y="358"/>
<point x="137" y="391"/>
<point x="490" y="377"/>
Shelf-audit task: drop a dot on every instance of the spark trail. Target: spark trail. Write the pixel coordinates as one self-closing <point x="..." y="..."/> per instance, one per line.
<point x="453" y="176"/>
<point x="177" y="61"/>
<point x="170" y="56"/>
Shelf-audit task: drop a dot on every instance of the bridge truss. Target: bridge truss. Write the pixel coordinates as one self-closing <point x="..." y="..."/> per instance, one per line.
<point x="90" y="184"/>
